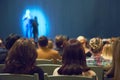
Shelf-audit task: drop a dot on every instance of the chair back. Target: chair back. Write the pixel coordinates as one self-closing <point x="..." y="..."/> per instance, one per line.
<point x="1" y="67"/>
<point x="106" y="78"/>
<point x="99" y="71"/>
<point x="48" y="68"/>
<point x="68" y="77"/>
<point x="44" y="61"/>
<point x="8" y="76"/>
<point x="59" y="62"/>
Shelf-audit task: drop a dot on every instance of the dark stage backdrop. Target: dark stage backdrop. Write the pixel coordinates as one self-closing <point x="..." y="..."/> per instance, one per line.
<point x="89" y="18"/>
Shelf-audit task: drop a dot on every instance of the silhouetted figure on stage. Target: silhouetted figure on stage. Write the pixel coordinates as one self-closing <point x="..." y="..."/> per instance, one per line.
<point x="29" y="29"/>
<point x="27" y="23"/>
<point x="35" y="28"/>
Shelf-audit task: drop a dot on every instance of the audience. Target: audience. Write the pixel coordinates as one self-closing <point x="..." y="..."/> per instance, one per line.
<point x="9" y="41"/>
<point x="19" y="55"/>
<point x="73" y="60"/>
<point x="96" y="46"/>
<point x="46" y="53"/>
<point x="114" y="72"/>
<point x="21" y="59"/>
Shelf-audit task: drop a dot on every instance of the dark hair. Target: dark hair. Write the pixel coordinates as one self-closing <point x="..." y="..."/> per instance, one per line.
<point x="59" y="40"/>
<point x="21" y="57"/>
<point x="43" y="41"/>
<point x="73" y="59"/>
<point x="10" y="40"/>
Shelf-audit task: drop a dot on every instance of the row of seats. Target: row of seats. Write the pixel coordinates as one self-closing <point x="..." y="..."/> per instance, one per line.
<point x="49" y="68"/>
<point x="6" y="76"/>
<point x="46" y="61"/>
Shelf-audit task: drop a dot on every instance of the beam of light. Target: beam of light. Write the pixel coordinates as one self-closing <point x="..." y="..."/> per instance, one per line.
<point x="43" y="25"/>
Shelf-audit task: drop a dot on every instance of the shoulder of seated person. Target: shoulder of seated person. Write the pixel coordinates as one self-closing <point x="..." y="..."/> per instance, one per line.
<point x="89" y="73"/>
<point x="54" y="51"/>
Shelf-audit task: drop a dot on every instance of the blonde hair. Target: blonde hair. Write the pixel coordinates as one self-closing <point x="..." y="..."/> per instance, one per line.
<point x="96" y="45"/>
<point x="82" y="39"/>
<point x="107" y="51"/>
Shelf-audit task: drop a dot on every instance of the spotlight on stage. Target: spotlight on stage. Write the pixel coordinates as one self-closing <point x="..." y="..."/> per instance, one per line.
<point x="43" y="24"/>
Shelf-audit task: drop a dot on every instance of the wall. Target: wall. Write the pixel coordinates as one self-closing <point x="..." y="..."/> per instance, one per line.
<point x="69" y="17"/>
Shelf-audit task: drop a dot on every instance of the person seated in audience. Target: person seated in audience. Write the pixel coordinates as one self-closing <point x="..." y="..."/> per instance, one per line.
<point x="73" y="60"/>
<point x="5" y="46"/>
<point x="96" y="46"/>
<point x="59" y="40"/>
<point x="3" y="51"/>
<point x="107" y="51"/>
<point x="50" y="44"/>
<point x="21" y="59"/>
<point x="10" y="40"/>
<point x="2" y="44"/>
<point x="46" y="53"/>
<point x="107" y="54"/>
<point x="84" y="42"/>
<point x="114" y="72"/>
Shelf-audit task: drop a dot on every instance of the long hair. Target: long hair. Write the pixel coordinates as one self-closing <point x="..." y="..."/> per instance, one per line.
<point x="21" y="57"/>
<point x="116" y="59"/>
<point x="107" y="51"/>
<point x="73" y="59"/>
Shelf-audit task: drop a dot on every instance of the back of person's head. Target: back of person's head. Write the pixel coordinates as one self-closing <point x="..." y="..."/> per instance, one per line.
<point x="43" y="41"/>
<point x="10" y="40"/>
<point x="73" y="59"/>
<point x="21" y="57"/>
<point x="82" y="39"/>
<point x="96" y="45"/>
<point x="59" y="40"/>
<point x="107" y="51"/>
<point x="73" y="50"/>
<point x="50" y="44"/>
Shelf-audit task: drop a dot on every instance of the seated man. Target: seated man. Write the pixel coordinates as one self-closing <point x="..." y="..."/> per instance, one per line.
<point x="46" y="53"/>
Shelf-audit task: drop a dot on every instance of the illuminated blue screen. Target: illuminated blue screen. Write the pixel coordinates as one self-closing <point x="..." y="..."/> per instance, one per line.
<point x="43" y="26"/>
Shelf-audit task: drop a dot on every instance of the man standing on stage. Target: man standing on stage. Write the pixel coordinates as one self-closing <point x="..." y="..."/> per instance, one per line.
<point x="35" y="28"/>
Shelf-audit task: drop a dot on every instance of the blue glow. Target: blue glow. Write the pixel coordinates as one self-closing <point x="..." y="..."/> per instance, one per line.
<point x="43" y="28"/>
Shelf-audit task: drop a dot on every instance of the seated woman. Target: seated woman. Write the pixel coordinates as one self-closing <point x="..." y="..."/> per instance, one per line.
<point x="107" y="54"/>
<point x="21" y="59"/>
<point x="73" y="60"/>
<point x="107" y="51"/>
<point x="114" y="72"/>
